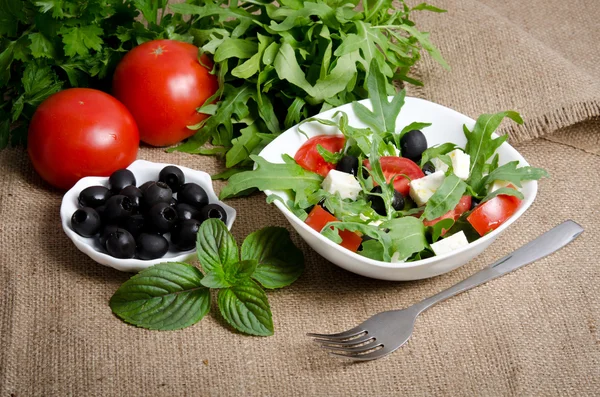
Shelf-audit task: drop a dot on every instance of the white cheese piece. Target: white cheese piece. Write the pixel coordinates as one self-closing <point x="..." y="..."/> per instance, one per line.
<point x="499" y="184"/>
<point x="461" y="163"/>
<point x="396" y="258"/>
<point x="451" y="243"/>
<point x="343" y="183"/>
<point x="375" y="223"/>
<point x="439" y="164"/>
<point x="422" y="189"/>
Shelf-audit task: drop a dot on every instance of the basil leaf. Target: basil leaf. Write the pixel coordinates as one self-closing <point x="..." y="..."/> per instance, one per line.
<point x="407" y="236"/>
<point x="246" y="308"/>
<point x="445" y="198"/>
<point x="438" y="228"/>
<point x="215" y="279"/>
<point x="215" y="245"/>
<point x="166" y="296"/>
<point x="506" y="191"/>
<point x="273" y="177"/>
<point x="436" y="151"/>
<point x="280" y="262"/>
<point x="510" y="173"/>
<point x="237" y="272"/>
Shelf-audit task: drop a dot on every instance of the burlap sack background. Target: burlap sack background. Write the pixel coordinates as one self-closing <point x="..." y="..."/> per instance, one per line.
<point x="532" y="332"/>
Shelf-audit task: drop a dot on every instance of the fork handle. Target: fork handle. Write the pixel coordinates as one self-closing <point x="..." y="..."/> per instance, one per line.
<point x="544" y="245"/>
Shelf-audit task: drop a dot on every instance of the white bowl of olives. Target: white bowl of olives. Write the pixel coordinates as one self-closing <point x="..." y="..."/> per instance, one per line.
<point x="145" y="214"/>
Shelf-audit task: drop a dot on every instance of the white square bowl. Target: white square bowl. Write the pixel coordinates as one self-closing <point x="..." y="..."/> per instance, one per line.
<point x="143" y="171"/>
<point x="447" y="126"/>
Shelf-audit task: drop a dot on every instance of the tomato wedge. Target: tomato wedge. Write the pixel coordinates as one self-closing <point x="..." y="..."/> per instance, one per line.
<point x="318" y="218"/>
<point x="309" y="158"/>
<point x="398" y="166"/>
<point x="463" y="206"/>
<point x="491" y="214"/>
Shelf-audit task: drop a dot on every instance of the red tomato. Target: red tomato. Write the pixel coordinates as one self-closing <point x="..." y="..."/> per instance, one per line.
<point x="392" y="166"/>
<point x="309" y="158"/>
<point x="318" y="218"/>
<point x="491" y="214"/>
<point x="81" y="132"/>
<point x="162" y="83"/>
<point x="463" y="206"/>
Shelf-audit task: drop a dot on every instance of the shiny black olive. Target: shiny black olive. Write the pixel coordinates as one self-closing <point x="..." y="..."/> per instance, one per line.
<point x="134" y="194"/>
<point x="183" y="235"/>
<point x="348" y="164"/>
<point x="172" y="176"/>
<point x="413" y="144"/>
<point x="213" y="211"/>
<point x="192" y="194"/>
<point x="162" y="217"/>
<point x="120" y="179"/>
<point x="173" y="202"/>
<point x="186" y="211"/>
<point x="117" y="208"/>
<point x="120" y="244"/>
<point x="145" y="185"/>
<point x="135" y="224"/>
<point x="378" y="204"/>
<point x="151" y="246"/>
<point x="94" y="196"/>
<point x="86" y="222"/>
<point x="106" y="231"/>
<point x="428" y="168"/>
<point x="156" y="193"/>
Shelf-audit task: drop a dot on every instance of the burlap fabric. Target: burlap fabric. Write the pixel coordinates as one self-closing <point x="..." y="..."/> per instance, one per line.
<point x="532" y="332"/>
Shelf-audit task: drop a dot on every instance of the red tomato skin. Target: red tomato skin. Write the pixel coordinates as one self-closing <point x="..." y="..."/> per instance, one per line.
<point x="81" y="132"/>
<point x="392" y="165"/>
<point x="463" y="206"/>
<point x="491" y="214"/>
<point x="162" y="83"/>
<point x="318" y="218"/>
<point x="450" y="214"/>
<point x="309" y="158"/>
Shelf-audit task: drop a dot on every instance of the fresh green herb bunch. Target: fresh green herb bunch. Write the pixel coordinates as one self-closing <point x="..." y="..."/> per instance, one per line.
<point x="49" y="45"/>
<point x="278" y="64"/>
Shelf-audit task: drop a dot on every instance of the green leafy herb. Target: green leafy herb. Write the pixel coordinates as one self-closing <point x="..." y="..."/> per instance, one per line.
<point x="436" y="151"/>
<point x="328" y="156"/>
<point x="510" y="173"/>
<point x="175" y="295"/>
<point x="445" y="198"/>
<point x="407" y="236"/>
<point x="438" y="228"/>
<point x="506" y="191"/>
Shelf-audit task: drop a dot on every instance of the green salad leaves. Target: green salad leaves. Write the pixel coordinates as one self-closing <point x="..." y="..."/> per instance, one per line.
<point x="174" y="295"/>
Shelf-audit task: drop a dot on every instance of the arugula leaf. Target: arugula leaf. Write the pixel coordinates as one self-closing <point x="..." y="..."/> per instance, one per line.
<point x="246" y="308"/>
<point x="372" y="249"/>
<point x="507" y="191"/>
<point x="166" y="296"/>
<point x="331" y="232"/>
<point x="272" y="177"/>
<point x="438" y="228"/>
<point x="280" y="262"/>
<point x="510" y="173"/>
<point x="415" y="125"/>
<point x="350" y="211"/>
<point x="215" y="245"/>
<point x="436" y="151"/>
<point x="407" y="236"/>
<point x="481" y="146"/>
<point x="328" y="156"/>
<point x="445" y="198"/>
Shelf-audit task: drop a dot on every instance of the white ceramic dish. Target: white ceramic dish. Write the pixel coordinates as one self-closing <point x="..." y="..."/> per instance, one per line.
<point x="446" y="127"/>
<point x="144" y="171"/>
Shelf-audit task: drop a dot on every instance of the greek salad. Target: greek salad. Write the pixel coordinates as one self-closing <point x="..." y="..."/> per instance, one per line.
<point x="385" y="194"/>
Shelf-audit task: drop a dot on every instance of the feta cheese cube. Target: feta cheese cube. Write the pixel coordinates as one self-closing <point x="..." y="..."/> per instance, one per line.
<point x="499" y="184"/>
<point x="343" y="183"/>
<point x="422" y="189"/>
<point x="439" y="164"/>
<point x="461" y="163"/>
<point x="451" y="243"/>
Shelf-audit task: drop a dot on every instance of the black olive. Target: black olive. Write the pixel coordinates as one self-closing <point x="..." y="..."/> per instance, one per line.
<point x="120" y="179"/>
<point x="120" y="244"/>
<point x="378" y="204"/>
<point x="186" y="211"/>
<point x="134" y="194"/>
<point x="117" y="208"/>
<point x="428" y="168"/>
<point x="156" y="193"/>
<point x="413" y="144"/>
<point x="145" y="185"/>
<point x="94" y="196"/>
<point x="135" y="224"/>
<point x="172" y="176"/>
<point x="474" y="202"/>
<point x="213" y="211"/>
<point x="151" y="246"/>
<point x="86" y="222"/>
<point x="106" y="231"/>
<point x="162" y="217"/>
<point x="348" y="164"/>
<point x="192" y="194"/>
<point x="183" y="235"/>
<point x="173" y="202"/>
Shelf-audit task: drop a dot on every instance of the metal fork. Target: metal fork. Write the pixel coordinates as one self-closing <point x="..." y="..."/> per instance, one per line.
<point x="385" y="332"/>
